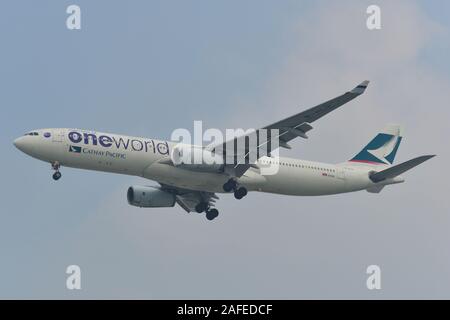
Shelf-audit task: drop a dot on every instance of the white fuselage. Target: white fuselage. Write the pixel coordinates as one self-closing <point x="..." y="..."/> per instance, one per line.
<point x="144" y="157"/>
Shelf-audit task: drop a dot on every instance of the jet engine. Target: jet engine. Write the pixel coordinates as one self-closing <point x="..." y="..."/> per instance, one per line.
<point x="196" y="159"/>
<point x="149" y="197"/>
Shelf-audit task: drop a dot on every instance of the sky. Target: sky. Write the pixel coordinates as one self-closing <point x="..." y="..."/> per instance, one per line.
<point x="146" y="68"/>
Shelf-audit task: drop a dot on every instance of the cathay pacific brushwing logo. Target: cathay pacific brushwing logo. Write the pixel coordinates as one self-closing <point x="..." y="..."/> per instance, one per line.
<point x="381" y="149"/>
<point x="75" y="149"/>
<point x="385" y="150"/>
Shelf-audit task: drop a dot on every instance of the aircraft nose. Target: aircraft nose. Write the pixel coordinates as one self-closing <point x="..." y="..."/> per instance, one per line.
<point x="19" y="143"/>
<point x="24" y="144"/>
<point x="27" y="145"/>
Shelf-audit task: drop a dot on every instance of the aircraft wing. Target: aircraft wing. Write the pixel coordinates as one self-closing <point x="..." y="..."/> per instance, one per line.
<point x="298" y="124"/>
<point x="288" y="129"/>
<point x="188" y="199"/>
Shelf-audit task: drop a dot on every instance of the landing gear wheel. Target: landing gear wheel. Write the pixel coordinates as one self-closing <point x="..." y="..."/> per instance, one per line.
<point x="227" y="187"/>
<point x="230" y="185"/>
<point x="240" y="193"/>
<point x="201" y="207"/>
<point x="56" y="175"/>
<point x="212" y="214"/>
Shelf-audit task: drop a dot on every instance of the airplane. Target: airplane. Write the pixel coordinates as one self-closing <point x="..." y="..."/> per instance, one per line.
<point x="194" y="186"/>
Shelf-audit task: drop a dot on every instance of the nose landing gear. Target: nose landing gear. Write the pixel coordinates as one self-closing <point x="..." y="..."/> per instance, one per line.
<point x="57" y="175"/>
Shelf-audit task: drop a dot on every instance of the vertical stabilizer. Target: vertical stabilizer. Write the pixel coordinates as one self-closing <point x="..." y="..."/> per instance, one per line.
<point x="383" y="148"/>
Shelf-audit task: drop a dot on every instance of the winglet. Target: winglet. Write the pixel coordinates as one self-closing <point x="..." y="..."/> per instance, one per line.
<point x="359" y="89"/>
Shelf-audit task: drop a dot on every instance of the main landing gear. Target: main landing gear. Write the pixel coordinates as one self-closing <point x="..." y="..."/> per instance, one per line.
<point x="211" y="214"/>
<point x="55" y="166"/>
<point x="231" y="185"/>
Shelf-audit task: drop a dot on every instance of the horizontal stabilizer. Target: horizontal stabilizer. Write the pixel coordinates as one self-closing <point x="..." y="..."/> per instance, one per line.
<point x="398" y="169"/>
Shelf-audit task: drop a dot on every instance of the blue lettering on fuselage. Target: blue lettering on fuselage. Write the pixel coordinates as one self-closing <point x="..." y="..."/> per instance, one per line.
<point x="105" y="141"/>
<point x="101" y="153"/>
<point x="119" y="143"/>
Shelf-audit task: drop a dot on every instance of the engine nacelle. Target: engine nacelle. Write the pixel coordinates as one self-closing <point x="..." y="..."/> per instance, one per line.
<point x="149" y="197"/>
<point x="196" y="159"/>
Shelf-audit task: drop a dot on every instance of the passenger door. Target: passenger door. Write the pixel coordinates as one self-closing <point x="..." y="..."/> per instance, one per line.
<point x="58" y="136"/>
<point x="340" y="173"/>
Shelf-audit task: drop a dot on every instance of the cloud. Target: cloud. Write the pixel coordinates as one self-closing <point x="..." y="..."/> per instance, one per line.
<point x="332" y="51"/>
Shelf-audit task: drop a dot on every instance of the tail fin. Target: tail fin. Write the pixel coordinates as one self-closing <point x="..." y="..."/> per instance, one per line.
<point x="382" y="148"/>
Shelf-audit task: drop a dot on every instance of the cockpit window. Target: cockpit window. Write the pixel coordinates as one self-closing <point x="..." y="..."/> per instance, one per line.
<point x="31" y="134"/>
